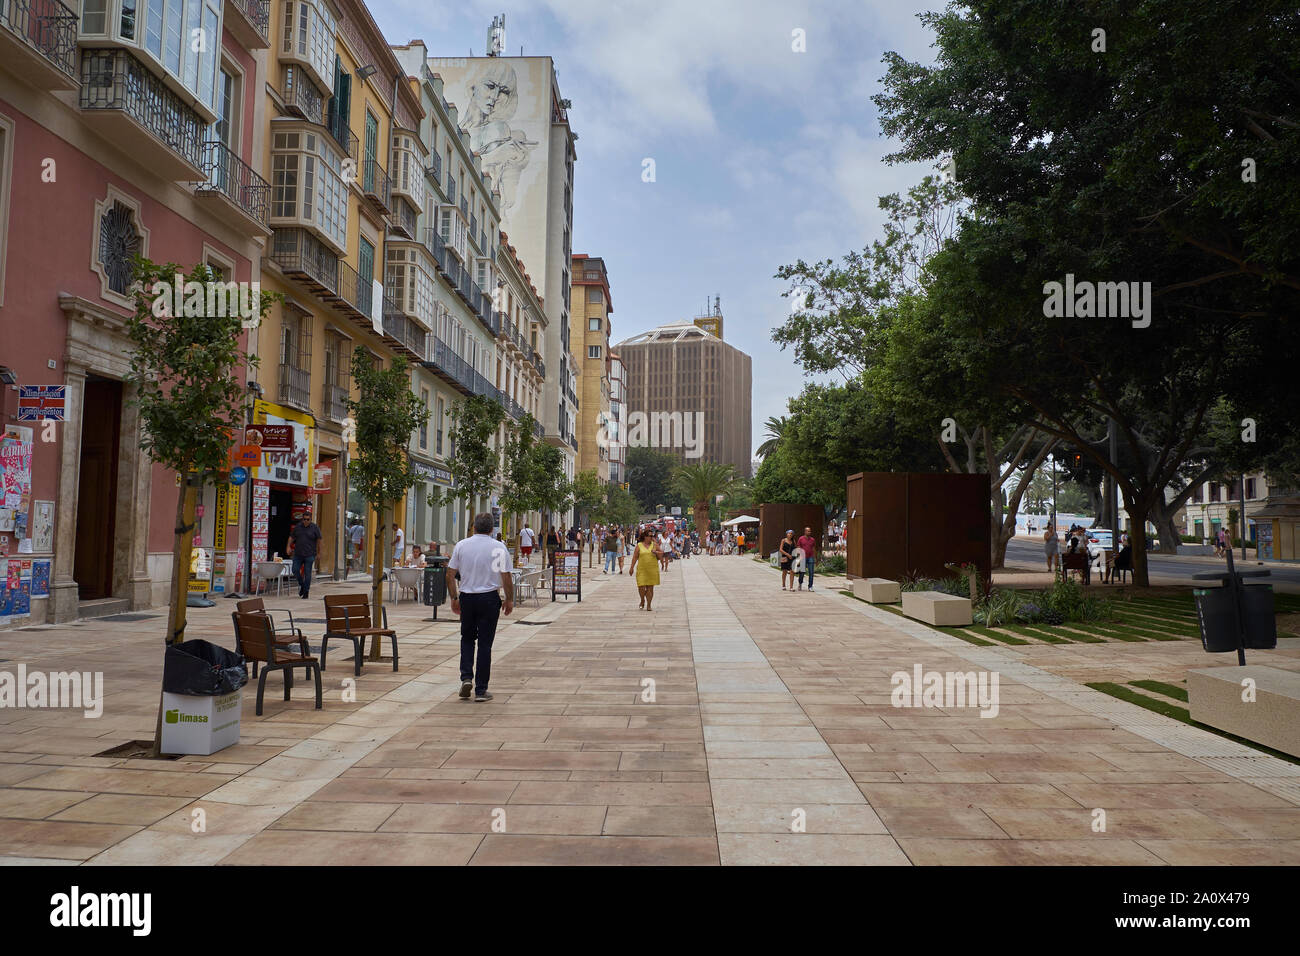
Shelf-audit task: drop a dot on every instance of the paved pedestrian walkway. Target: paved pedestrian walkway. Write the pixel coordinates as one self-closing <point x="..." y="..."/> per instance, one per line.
<point x="734" y="724"/>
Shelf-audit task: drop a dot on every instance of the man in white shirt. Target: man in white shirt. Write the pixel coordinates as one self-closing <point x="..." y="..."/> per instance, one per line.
<point x="358" y="545"/>
<point x="399" y="546"/>
<point x="483" y="565"/>
<point x="526" y="539"/>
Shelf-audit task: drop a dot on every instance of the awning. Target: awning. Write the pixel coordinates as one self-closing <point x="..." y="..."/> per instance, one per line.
<point x="743" y="519"/>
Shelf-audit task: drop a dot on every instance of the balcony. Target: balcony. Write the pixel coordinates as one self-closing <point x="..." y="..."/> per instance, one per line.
<point x="573" y="440"/>
<point x="343" y="135"/>
<point x="38" y="43"/>
<point x="450" y="366"/>
<point x="464" y="205"/>
<point x="122" y="100"/>
<point x="335" y="400"/>
<point x="399" y="329"/>
<point x="295" y="386"/>
<point x="451" y="187"/>
<point x="302" y="256"/>
<point x="473" y="233"/>
<point x="237" y="193"/>
<point x="249" y="21"/>
<point x="300" y="95"/>
<point x="404" y="219"/>
<point x="433" y="172"/>
<point x="376" y="186"/>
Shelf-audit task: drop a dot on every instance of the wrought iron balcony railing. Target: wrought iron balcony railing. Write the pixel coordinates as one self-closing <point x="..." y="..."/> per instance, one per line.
<point x="433" y="172"/>
<point x="398" y="326"/>
<point x="236" y="180"/>
<point x="258" y="13"/>
<point x="342" y="134"/>
<point x="336" y="402"/>
<point x="47" y="26"/>
<point x="376" y="184"/>
<point x="115" y="80"/>
<point x="297" y="252"/>
<point x="404" y="218"/>
<point x="451" y="187"/>
<point x="295" y="385"/>
<point x="300" y="95"/>
<point x="464" y="205"/>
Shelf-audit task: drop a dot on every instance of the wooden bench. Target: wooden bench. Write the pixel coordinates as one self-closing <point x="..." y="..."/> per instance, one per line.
<point x="348" y="616"/>
<point x="1272" y="718"/>
<point x="291" y="635"/>
<point x="256" y="640"/>
<point x="935" y="607"/>
<point x="877" y="590"/>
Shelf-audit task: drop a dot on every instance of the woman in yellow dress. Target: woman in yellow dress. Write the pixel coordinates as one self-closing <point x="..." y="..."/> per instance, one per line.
<point x="647" y="556"/>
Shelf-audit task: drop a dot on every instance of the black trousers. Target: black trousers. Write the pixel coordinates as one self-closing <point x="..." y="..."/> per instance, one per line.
<point x="478" y="623"/>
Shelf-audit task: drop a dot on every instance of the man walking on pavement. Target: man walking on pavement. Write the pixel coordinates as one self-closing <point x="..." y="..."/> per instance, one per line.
<point x="809" y="545"/>
<point x="303" y="541"/>
<point x="483" y="564"/>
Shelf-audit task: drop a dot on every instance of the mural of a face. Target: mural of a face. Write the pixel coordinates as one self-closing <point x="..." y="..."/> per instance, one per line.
<point x="493" y="99"/>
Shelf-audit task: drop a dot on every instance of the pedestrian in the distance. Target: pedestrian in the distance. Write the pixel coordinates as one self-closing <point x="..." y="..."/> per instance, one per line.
<point x="483" y="564"/>
<point x="809" y="545"/>
<point x="526" y="538"/>
<point x="1051" y="547"/>
<point x="610" y="546"/>
<point x="645" y="565"/>
<point x="622" y="548"/>
<point x="358" y="535"/>
<point x="303" y="542"/>
<point x="787" y="559"/>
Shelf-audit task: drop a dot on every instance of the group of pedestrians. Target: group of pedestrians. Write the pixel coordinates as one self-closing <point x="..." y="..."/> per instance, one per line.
<point x="797" y="557"/>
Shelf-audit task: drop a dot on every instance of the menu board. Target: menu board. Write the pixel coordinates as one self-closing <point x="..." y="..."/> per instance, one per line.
<point x="566" y="575"/>
<point x="261" y="518"/>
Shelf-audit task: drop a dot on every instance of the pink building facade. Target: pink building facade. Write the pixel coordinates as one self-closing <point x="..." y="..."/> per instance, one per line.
<point x="116" y="138"/>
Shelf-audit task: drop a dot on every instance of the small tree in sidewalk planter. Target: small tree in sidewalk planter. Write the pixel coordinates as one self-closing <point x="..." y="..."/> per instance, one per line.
<point x="474" y="463"/>
<point x="185" y="375"/>
<point x="385" y="413"/>
<point x="532" y="473"/>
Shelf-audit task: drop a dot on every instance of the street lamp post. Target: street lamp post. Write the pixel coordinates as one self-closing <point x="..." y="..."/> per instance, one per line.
<point x="1051" y="464"/>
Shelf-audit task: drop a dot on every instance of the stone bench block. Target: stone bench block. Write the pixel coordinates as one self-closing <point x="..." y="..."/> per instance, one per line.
<point x="1272" y="719"/>
<point x="935" y="607"/>
<point x="877" y="590"/>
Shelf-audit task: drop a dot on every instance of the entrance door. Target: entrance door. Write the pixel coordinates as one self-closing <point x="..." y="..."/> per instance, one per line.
<point x="281" y="521"/>
<point x="97" y="488"/>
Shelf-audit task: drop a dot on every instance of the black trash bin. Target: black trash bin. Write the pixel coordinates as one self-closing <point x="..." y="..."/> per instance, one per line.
<point x="433" y="590"/>
<point x="1218" y="619"/>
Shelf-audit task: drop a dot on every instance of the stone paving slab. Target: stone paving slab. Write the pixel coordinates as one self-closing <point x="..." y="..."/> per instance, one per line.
<point x="733" y="724"/>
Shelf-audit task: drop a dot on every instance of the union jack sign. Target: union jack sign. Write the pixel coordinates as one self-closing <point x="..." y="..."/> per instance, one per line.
<point x="37" y="402"/>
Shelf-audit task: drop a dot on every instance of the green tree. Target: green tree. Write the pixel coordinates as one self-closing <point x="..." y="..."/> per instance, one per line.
<point x="700" y="483"/>
<point x="1122" y="167"/>
<point x="185" y="374"/>
<point x="588" y="494"/>
<point x="619" y="508"/>
<point x="385" y="413"/>
<point x="474" y="463"/>
<point x="649" y="474"/>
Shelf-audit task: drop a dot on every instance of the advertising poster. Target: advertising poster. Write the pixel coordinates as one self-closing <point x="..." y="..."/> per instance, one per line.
<point x="219" y="528"/>
<point x="40" y="578"/>
<point x="200" y="570"/>
<point x="6" y="602"/>
<point x="261" y="519"/>
<point x="43" y="527"/>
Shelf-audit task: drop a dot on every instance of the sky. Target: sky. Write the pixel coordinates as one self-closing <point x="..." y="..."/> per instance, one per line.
<point x="762" y="155"/>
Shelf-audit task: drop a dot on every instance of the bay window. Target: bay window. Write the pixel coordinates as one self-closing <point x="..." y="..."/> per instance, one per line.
<point x="310" y="29"/>
<point x="307" y="185"/>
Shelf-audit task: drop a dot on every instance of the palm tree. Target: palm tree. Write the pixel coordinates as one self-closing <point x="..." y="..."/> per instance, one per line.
<point x="700" y="484"/>
<point x="775" y="429"/>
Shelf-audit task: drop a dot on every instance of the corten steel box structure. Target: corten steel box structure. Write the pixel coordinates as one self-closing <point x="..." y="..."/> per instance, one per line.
<point x="907" y="524"/>
<point x="776" y="519"/>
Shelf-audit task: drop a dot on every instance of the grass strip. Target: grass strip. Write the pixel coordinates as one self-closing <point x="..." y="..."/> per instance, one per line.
<point x="1160" y="687"/>
<point x="1034" y="633"/>
<point x="1114" y="633"/>
<point x="995" y="635"/>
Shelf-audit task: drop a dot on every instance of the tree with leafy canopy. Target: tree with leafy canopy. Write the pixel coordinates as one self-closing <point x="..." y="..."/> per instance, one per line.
<point x="385" y="413"/>
<point x="649" y="476"/>
<point x="532" y="478"/>
<point x="1122" y="167"/>
<point x="588" y="493"/>
<point x="185" y="379"/>
<point x="474" y="463"/>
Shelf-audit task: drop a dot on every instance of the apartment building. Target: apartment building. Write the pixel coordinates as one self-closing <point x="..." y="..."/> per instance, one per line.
<point x="590" y="331"/>
<point x="340" y="116"/>
<point x="700" y="386"/>
<point x="614" y="427"/>
<point x="518" y="123"/>
<point x="118" y="136"/>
